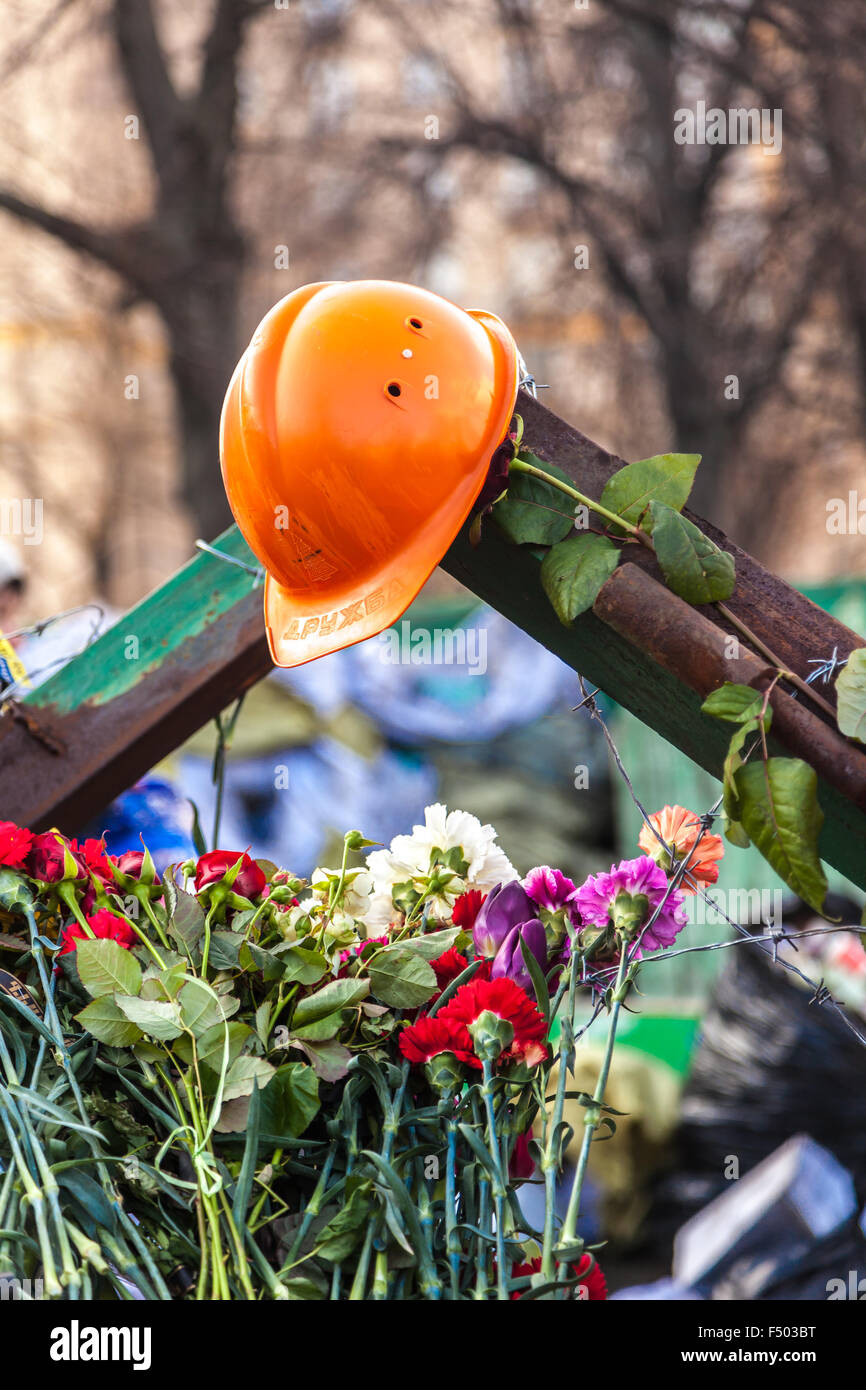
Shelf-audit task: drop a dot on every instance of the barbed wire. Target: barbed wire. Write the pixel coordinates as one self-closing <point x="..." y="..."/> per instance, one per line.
<point x="821" y="994"/>
<point x="16" y="688"/>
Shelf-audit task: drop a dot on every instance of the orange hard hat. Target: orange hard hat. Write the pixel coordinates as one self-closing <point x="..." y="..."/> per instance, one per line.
<point x="355" y="436"/>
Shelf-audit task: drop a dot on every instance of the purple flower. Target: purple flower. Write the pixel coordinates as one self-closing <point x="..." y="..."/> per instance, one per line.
<point x="509" y="961"/>
<point x="595" y="899"/>
<point x="548" y="888"/>
<point x="505" y="907"/>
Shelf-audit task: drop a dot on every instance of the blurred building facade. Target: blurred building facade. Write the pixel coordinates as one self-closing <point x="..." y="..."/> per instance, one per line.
<point x="355" y="156"/>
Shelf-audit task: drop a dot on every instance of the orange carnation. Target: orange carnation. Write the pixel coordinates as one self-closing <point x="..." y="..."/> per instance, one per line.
<point x="679" y="829"/>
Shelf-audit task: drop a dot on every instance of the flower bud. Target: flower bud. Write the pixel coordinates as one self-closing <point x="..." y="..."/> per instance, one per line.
<point x="629" y="911"/>
<point x="444" y="1073"/>
<point x="491" y="1035"/>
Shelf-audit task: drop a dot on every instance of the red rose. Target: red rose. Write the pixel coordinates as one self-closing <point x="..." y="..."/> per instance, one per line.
<point x="14" y="845"/>
<point x="47" y="858"/>
<point x="104" y="925"/>
<point x="249" y="883"/>
<point x="130" y="863"/>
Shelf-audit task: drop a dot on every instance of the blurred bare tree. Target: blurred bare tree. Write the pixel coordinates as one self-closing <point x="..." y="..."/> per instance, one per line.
<point x="186" y="258"/>
<point x="471" y="145"/>
<point x="722" y="269"/>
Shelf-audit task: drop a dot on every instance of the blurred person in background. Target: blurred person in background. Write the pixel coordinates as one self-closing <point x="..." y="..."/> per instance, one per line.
<point x="12" y="584"/>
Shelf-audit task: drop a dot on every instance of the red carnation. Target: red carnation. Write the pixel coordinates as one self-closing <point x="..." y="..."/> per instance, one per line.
<point x="424" y="1040"/>
<point x="504" y="998"/>
<point x="593" y="1287"/>
<point x="467" y="908"/>
<point x="212" y="867"/>
<point x="103" y="924"/>
<point x="447" y="967"/>
<point x="14" y="845"/>
<point x="91" y="855"/>
<point x="521" y="1164"/>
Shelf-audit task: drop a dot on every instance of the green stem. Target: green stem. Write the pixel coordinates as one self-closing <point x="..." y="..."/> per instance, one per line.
<point x="154" y="920"/>
<point x="787" y="675"/>
<point x="206" y="951"/>
<point x="550" y="1160"/>
<point x="520" y="466"/>
<point x="593" y="1114"/>
<point x="487" y="1089"/>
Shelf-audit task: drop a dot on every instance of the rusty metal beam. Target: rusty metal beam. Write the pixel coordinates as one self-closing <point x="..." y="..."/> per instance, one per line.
<point x="87" y="733"/>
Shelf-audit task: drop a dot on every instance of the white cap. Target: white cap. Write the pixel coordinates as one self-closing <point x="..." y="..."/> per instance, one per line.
<point x="11" y="567"/>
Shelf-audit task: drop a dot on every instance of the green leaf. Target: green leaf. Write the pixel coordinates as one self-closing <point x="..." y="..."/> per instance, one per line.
<point x="269" y="964"/>
<point x="170" y="979"/>
<point x="734" y="760"/>
<point x="338" y="994"/>
<point x="337" y="1240"/>
<point x="321" y="1029"/>
<point x="225" y="949"/>
<point x="573" y="571"/>
<point x="329" y="1059"/>
<point x="157" y="1020"/>
<point x="663" y="478"/>
<point x="779" y="812"/>
<point x="169" y="889"/>
<point x="736" y="834"/>
<point x="104" y="966"/>
<point x="198" y="838"/>
<point x="401" y="978"/>
<point x="736" y="703"/>
<point x="104" y="1020"/>
<point x="533" y="512"/>
<point x="263" y="1019"/>
<point x="435" y="943"/>
<point x="290" y="1102"/>
<point x="692" y="565"/>
<point x="536" y="975"/>
<point x="244" y="1186"/>
<point x="243" y="1072"/>
<point x="90" y="1195"/>
<point x="187" y="921"/>
<point x="209" y="1047"/>
<point x="15" y="891"/>
<point x="300" y="1290"/>
<point x="200" y="1010"/>
<point x="301" y="964"/>
<point x="851" y="696"/>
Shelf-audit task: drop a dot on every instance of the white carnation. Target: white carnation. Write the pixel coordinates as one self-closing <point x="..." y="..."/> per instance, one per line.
<point x="408" y="857"/>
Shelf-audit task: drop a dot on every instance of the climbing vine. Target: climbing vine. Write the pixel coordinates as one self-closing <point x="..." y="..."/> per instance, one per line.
<point x="769" y="801"/>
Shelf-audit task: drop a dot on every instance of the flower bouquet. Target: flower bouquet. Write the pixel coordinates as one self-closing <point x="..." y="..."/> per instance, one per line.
<point x="226" y="1083"/>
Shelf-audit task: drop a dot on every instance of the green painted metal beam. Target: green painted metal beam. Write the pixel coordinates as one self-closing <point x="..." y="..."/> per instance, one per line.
<point x="168" y="666"/>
